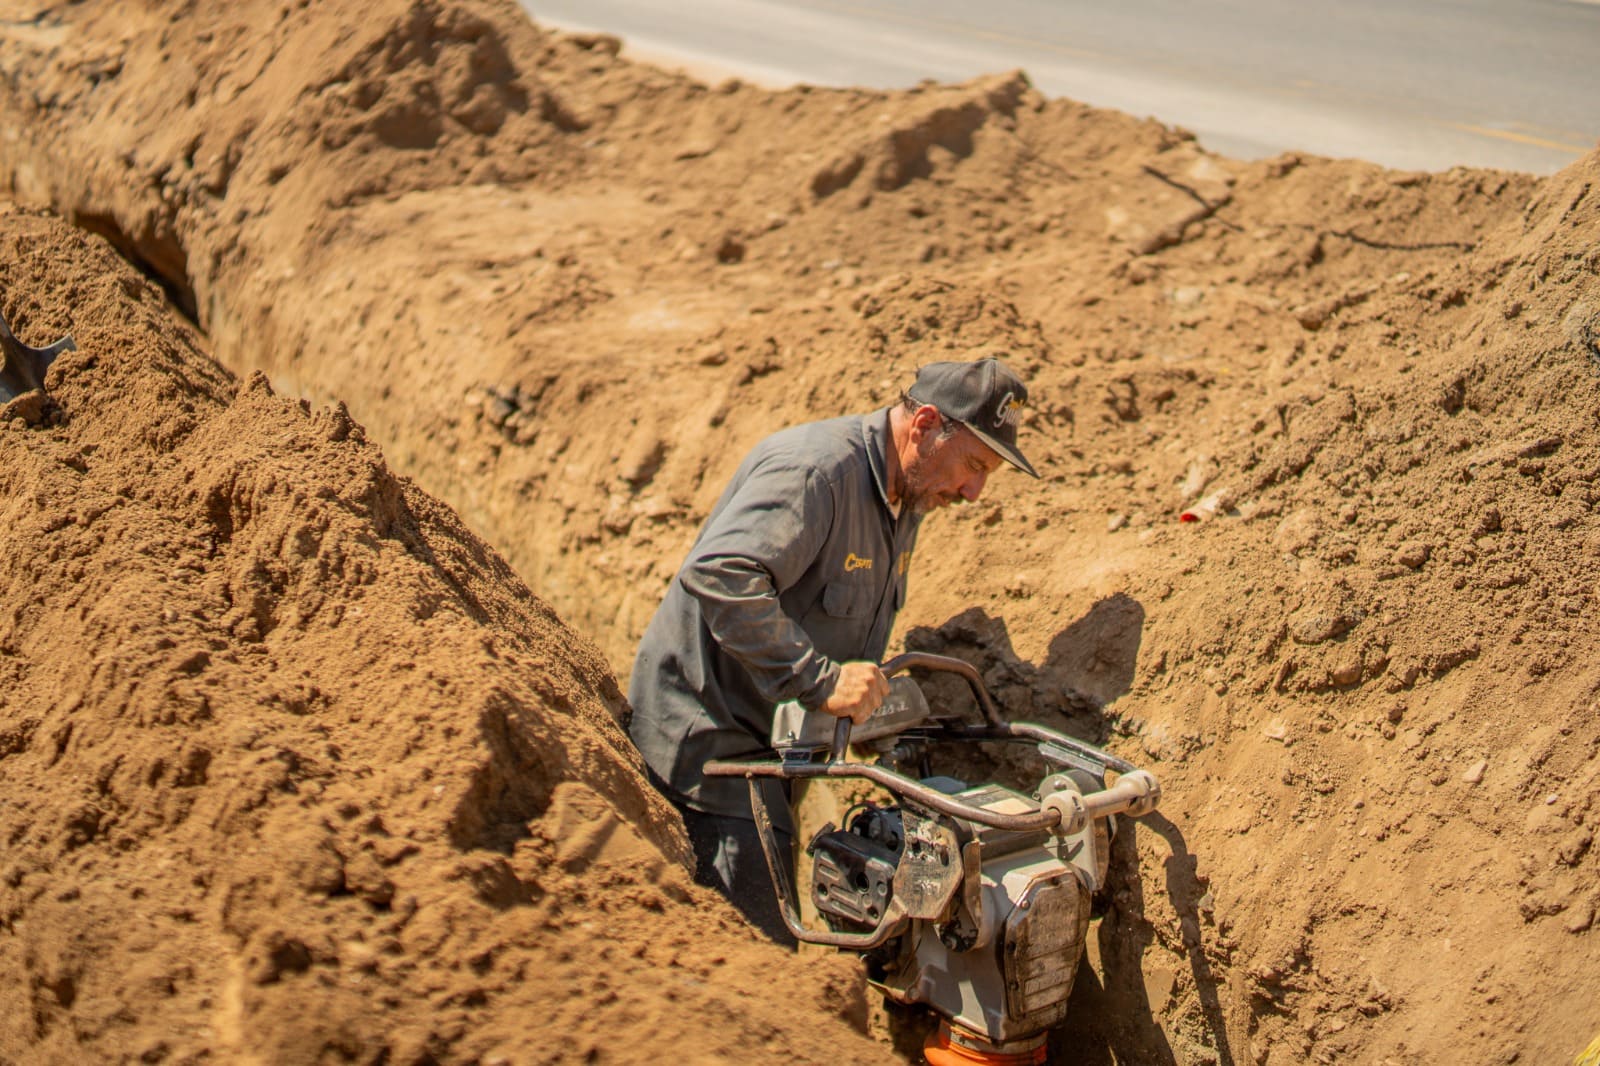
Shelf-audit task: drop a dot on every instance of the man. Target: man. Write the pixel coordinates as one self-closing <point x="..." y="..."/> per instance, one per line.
<point x="790" y="592"/>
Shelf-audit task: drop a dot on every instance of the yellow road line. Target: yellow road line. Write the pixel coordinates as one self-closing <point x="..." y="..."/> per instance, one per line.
<point x="1522" y="138"/>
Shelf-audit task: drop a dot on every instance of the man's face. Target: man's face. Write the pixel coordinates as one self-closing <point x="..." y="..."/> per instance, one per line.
<point x="946" y="470"/>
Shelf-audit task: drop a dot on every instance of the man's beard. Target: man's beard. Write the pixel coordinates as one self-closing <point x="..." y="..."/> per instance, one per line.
<point x="917" y="497"/>
<point x="921" y="506"/>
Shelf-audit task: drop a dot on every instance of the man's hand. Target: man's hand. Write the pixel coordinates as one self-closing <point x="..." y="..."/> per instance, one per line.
<point x="861" y="690"/>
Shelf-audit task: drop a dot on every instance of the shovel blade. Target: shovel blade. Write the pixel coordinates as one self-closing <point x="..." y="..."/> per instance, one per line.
<point x="23" y="368"/>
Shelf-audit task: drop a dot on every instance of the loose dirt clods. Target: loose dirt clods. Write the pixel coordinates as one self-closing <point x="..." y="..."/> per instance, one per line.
<point x="277" y="724"/>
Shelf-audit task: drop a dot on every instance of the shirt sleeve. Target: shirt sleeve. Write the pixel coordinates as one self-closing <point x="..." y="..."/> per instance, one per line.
<point x="762" y="541"/>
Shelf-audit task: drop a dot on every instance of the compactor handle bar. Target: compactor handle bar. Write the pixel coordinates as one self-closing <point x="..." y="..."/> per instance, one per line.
<point x="1137" y="792"/>
<point x="997" y="728"/>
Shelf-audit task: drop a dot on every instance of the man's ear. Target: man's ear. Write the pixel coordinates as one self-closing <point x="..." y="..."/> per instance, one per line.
<point x="925" y="420"/>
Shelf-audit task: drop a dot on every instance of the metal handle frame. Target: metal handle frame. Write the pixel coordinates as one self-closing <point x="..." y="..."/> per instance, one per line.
<point x="915" y="791"/>
<point x="1136" y="791"/>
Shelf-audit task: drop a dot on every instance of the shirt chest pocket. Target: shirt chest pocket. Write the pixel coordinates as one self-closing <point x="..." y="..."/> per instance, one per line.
<point x="853" y="600"/>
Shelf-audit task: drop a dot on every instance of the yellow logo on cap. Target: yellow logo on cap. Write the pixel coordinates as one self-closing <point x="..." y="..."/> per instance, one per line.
<point x="855" y="562"/>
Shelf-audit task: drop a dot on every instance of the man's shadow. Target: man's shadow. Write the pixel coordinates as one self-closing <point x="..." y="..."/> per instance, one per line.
<point x="1088" y="665"/>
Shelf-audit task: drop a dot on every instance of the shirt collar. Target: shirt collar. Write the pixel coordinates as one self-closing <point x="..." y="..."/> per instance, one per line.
<point x="875" y="428"/>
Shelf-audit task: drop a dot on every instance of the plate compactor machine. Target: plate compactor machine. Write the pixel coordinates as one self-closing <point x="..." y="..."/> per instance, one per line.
<point x="973" y="901"/>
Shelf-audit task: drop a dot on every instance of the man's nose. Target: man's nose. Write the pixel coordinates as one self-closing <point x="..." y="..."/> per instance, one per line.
<point x="973" y="487"/>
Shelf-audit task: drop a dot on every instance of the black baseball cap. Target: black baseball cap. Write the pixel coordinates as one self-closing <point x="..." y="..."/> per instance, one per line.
<point x="985" y="396"/>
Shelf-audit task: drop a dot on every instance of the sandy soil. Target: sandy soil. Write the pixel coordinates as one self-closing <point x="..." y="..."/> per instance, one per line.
<point x="297" y="769"/>
<point x="564" y="292"/>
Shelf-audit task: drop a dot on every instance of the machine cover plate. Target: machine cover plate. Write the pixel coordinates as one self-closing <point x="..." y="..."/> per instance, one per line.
<point x="1044" y="941"/>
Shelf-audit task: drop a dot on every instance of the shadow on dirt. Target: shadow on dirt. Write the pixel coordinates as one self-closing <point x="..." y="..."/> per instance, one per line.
<point x="1116" y="1015"/>
<point x="1088" y="665"/>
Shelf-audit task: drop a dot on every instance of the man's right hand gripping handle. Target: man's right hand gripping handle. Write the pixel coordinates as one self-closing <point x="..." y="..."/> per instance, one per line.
<point x="861" y="689"/>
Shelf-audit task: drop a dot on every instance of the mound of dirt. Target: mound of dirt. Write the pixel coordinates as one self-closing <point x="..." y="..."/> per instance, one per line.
<point x="296" y="768"/>
<point x="568" y="293"/>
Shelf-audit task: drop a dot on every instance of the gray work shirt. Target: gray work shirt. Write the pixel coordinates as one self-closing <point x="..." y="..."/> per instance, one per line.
<point x="800" y="566"/>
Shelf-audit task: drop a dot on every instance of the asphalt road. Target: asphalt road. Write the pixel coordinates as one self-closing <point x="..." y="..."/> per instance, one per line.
<point x="1416" y="84"/>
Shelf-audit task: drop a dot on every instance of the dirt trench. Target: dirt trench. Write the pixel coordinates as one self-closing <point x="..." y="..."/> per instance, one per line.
<point x="278" y="730"/>
<point x="566" y="292"/>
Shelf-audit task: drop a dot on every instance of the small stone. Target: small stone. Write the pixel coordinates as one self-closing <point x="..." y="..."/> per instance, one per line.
<point x="1201" y="471"/>
<point x="606" y="43"/>
<point x="1403" y="676"/>
<point x="1219" y="502"/>
<point x="1346" y="673"/>
<point x="1413" y="556"/>
<point x="1581" y="918"/>
<point x="1116" y="522"/>
<point x="641" y="460"/>
<point x="1475" y="772"/>
<point x="655" y="508"/>
<point x="1299" y="531"/>
<point x="1275" y="730"/>
<point x="499" y="409"/>
<point x="1319" y="627"/>
<point x="27" y="409"/>
<point x="1378" y="995"/>
<point x="1574" y="846"/>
